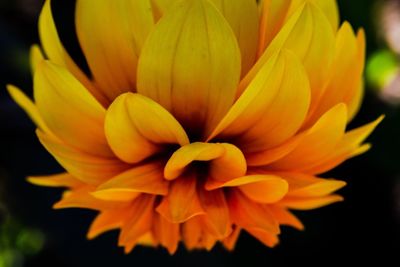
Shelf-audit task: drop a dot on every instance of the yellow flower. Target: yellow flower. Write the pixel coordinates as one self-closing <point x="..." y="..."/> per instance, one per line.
<point x="202" y="118"/>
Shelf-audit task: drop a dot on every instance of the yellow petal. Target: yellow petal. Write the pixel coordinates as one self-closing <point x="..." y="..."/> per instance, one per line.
<point x="262" y="118"/>
<point x="182" y="202"/>
<point x="166" y="233"/>
<point x="56" y="180"/>
<point x="318" y="142"/>
<point x="189" y="153"/>
<point x="29" y="107"/>
<point x="346" y="73"/>
<point x="217" y="220"/>
<point x="69" y="110"/>
<point x="81" y="198"/>
<point x="303" y="185"/>
<point x="56" y="52"/>
<point x="348" y="147"/>
<point x="309" y="203"/>
<point x="285" y="217"/>
<point x="107" y="220"/>
<point x="35" y="57"/>
<point x="190" y="64"/>
<point x="248" y="214"/>
<point x="86" y="168"/>
<point x="136" y="127"/>
<point x="242" y="16"/>
<point x="147" y="178"/>
<point x="309" y="35"/>
<point x="139" y="221"/>
<point x="269" y="190"/>
<point x="113" y="42"/>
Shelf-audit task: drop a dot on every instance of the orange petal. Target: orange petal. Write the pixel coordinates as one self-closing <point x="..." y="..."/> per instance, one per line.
<point x="269" y="190"/>
<point x="230" y="242"/>
<point x="166" y="233"/>
<point x="309" y="203"/>
<point x="212" y="184"/>
<point x="136" y="127"/>
<point x="65" y="105"/>
<point x="187" y="154"/>
<point x="182" y="202"/>
<point x="253" y="119"/>
<point x="81" y="198"/>
<point x="56" y="180"/>
<point x="191" y="35"/>
<point x="217" y="220"/>
<point x="113" y="43"/>
<point x="285" y="217"/>
<point x="139" y="221"/>
<point x="85" y="167"/>
<point x="192" y="232"/>
<point x="107" y="220"/>
<point x="318" y="142"/>
<point x="268" y="239"/>
<point x="250" y="215"/>
<point x="147" y="178"/>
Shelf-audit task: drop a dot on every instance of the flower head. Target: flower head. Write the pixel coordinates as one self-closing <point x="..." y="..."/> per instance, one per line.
<point x="201" y="118"/>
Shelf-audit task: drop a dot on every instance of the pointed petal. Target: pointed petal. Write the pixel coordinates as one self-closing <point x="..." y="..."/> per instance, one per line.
<point x="194" y="35"/>
<point x="253" y="118"/>
<point x="86" y="168"/>
<point x="29" y="107"/>
<point x="265" y="237"/>
<point x="192" y="232"/>
<point x="217" y="220"/>
<point x="270" y="190"/>
<point x="320" y="141"/>
<point x="166" y="233"/>
<point x="107" y="220"/>
<point x="309" y="35"/>
<point x="187" y="154"/>
<point x="35" y="57"/>
<point x="147" y="178"/>
<point x="112" y="43"/>
<point x="56" y="52"/>
<point x="212" y="184"/>
<point x="81" y="198"/>
<point x="65" y="105"/>
<point x="309" y="203"/>
<point x="136" y="127"/>
<point x="230" y="242"/>
<point x="242" y="16"/>
<point x="56" y="180"/>
<point x="139" y="221"/>
<point x="250" y="215"/>
<point x="182" y="202"/>
<point x="348" y="147"/>
<point x="285" y="217"/>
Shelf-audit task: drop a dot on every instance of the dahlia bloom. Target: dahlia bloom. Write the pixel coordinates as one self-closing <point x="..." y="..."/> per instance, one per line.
<point x="201" y="118"/>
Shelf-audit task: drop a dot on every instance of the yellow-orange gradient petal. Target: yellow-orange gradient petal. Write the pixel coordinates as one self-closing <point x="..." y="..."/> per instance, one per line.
<point x="56" y="180"/>
<point x="190" y="64"/>
<point x="112" y="43"/>
<point x="136" y="127"/>
<point x="107" y="220"/>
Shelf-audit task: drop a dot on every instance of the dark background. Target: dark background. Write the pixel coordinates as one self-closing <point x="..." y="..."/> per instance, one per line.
<point x="363" y="229"/>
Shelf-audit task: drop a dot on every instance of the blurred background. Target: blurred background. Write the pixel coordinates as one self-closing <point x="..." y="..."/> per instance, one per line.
<point x="364" y="228"/>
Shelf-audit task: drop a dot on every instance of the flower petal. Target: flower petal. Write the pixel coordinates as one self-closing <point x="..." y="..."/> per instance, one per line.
<point x="230" y="242"/>
<point x="265" y="237"/>
<point x="319" y="141"/>
<point x="107" y="220"/>
<point x="147" y="178"/>
<point x="285" y="217"/>
<point x="310" y="36"/>
<point x="189" y="153"/>
<point x="191" y="35"/>
<point x="56" y="180"/>
<point x="217" y="220"/>
<point x="309" y="203"/>
<point x="270" y="190"/>
<point x="192" y="232"/>
<point x="65" y="105"/>
<point x="253" y="119"/>
<point x="182" y="202"/>
<point x="86" y="168"/>
<point x="242" y="16"/>
<point x="35" y="57"/>
<point x="56" y="52"/>
<point x="166" y="233"/>
<point x="250" y="215"/>
<point x="112" y="43"/>
<point x="139" y="221"/>
<point x="136" y="127"/>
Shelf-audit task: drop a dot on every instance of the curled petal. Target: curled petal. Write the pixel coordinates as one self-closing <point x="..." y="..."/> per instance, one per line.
<point x="136" y="127"/>
<point x="191" y="35"/>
